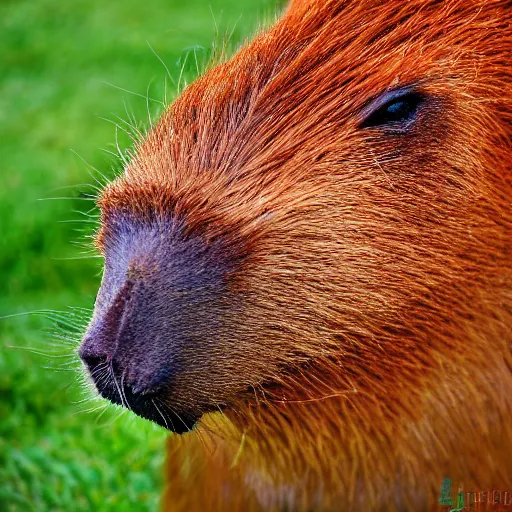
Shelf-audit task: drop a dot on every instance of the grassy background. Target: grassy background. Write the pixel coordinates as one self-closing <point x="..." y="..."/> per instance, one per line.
<point x="56" y="58"/>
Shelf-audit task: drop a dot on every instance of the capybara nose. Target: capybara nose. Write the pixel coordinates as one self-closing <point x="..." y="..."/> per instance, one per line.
<point x="164" y="291"/>
<point x="92" y="360"/>
<point x="100" y="341"/>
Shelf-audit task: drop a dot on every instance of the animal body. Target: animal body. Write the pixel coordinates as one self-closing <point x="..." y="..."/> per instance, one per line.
<point x="308" y="264"/>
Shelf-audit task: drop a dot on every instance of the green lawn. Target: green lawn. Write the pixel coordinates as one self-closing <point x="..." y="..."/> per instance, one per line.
<point x="57" y="59"/>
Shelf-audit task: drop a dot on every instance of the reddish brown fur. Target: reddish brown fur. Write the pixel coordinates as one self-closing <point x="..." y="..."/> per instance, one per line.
<point x="378" y="268"/>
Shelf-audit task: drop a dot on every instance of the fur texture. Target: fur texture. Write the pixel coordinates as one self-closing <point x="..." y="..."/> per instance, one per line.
<point x="362" y="344"/>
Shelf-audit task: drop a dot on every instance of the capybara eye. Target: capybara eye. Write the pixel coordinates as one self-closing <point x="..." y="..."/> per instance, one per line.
<point x="394" y="109"/>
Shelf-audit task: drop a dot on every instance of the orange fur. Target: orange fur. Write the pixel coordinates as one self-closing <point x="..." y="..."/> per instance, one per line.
<point x="377" y="270"/>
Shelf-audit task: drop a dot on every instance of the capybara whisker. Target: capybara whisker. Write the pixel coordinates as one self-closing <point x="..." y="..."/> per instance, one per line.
<point x="135" y="93"/>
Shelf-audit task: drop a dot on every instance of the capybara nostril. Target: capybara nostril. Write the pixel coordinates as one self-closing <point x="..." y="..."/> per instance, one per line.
<point x="100" y="340"/>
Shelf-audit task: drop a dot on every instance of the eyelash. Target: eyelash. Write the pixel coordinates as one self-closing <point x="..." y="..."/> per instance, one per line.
<point x="398" y="112"/>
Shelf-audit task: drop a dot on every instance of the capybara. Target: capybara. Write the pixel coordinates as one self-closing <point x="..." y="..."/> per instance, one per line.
<point x="308" y="264"/>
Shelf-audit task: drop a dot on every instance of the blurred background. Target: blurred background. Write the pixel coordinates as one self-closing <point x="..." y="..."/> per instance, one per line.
<point x="69" y="73"/>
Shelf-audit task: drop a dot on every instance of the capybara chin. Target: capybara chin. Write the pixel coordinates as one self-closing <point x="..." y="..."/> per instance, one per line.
<point x="308" y="263"/>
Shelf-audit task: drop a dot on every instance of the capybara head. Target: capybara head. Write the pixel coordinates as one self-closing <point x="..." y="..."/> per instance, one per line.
<point x="319" y="231"/>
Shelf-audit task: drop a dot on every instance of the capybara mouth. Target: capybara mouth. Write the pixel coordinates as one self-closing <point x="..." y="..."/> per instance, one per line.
<point x="148" y="406"/>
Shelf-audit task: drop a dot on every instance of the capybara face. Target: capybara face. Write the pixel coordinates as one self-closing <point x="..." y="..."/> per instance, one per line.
<point x="328" y="211"/>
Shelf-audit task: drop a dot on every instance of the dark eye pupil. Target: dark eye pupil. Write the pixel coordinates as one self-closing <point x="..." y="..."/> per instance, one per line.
<point x="394" y="113"/>
<point x="398" y="108"/>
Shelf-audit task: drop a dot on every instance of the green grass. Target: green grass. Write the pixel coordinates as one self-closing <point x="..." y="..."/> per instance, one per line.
<point x="56" y="60"/>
